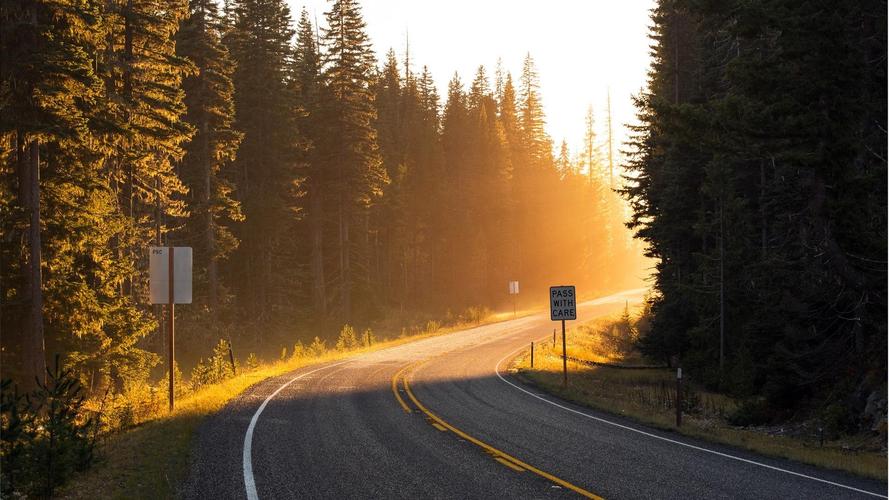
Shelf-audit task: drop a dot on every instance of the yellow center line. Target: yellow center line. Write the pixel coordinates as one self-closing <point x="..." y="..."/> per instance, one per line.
<point x="395" y="389"/>
<point x="509" y="464"/>
<point x="501" y="456"/>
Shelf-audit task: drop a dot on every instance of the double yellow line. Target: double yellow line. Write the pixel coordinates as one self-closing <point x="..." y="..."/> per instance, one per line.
<point x="501" y="456"/>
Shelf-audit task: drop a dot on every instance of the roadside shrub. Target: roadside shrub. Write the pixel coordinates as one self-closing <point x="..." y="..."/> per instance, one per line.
<point x="201" y="375"/>
<point x="17" y="432"/>
<point x="252" y="361"/>
<point x="368" y="337"/>
<point x="299" y="351"/>
<point x="475" y="314"/>
<point x="432" y="326"/>
<point x="753" y="411"/>
<point x="221" y="362"/>
<point x="318" y="347"/>
<point x="47" y="435"/>
<point x="347" y="339"/>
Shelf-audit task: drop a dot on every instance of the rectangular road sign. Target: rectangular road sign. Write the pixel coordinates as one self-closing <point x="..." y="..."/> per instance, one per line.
<point x="513" y="287"/>
<point x="562" y="302"/>
<point x="159" y="275"/>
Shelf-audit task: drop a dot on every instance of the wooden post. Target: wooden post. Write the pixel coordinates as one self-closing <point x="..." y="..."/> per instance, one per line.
<point x="554" y="339"/>
<point x="171" y="329"/>
<point x="532" y="354"/>
<point x="678" y="397"/>
<point x="231" y="357"/>
<point x="564" y="357"/>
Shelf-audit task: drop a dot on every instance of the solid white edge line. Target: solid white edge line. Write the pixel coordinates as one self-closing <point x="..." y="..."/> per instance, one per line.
<point x="249" y="482"/>
<point x="714" y="452"/>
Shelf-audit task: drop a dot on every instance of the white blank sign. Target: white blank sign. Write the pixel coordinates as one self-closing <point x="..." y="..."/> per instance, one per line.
<point x="159" y="275"/>
<point x="562" y="302"/>
<point x="513" y="287"/>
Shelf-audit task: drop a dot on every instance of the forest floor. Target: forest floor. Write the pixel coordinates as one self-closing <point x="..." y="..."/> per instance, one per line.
<point x="648" y="396"/>
<point x="149" y="460"/>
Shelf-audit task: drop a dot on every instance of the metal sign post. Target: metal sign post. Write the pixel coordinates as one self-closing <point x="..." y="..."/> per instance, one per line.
<point x="513" y="290"/>
<point x="563" y="307"/>
<point x="564" y="358"/>
<point x="170" y="284"/>
<point x="171" y="329"/>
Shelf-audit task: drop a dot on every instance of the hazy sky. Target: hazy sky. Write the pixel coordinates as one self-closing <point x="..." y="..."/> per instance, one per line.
<point x="581" y="48"/>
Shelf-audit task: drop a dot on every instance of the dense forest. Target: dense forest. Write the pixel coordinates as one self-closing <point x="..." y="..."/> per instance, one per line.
<point x="317" y="185"/>
<point x="758" y="180"/>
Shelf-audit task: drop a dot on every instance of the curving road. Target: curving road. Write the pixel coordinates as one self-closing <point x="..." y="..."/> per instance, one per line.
<point x="439" y="418"/>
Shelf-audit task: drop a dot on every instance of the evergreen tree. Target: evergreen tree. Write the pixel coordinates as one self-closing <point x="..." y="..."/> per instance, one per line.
<point x="47" y="86"/>
<point x="269" y="164"/>
<point x="760" y="270"/>
<point x="209" y="97"/>
<point x="306" y="76"/>
<point x="351" y="149"/>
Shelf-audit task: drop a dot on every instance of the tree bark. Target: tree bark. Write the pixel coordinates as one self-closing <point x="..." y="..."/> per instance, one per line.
<point x="35" y="352"/>
<point x="345" y="268"/>
<point x="210" y="230"/>
<point x="316" y="208"/>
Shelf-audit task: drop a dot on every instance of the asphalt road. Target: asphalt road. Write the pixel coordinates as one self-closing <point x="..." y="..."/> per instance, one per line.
<point x="437" y="418"/>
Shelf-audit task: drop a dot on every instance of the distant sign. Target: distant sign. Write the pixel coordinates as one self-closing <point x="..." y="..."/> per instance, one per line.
<point x="562" y="302"/>
<point x="513" y="287"/>
<point x="159" y="275"/>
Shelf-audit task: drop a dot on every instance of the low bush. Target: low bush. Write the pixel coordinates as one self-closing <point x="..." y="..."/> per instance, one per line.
<point x="47" y="435"/>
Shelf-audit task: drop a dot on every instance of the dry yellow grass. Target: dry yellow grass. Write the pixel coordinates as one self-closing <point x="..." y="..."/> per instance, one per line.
<point x="646" y="396"/>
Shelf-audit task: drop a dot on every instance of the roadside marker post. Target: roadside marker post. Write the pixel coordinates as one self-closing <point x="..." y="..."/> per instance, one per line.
<point x="170" y="284"/>
<point x="679" y="397"/>
<point x="231" y="357"/>
<point x="563" y="307"/>
<point x="532" y="354"/>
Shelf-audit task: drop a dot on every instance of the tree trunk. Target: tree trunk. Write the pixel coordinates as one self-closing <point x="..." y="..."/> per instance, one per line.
<point x="128" y="96"/>
<point x="345" y="270"/>
<point x="210" y="230"/>
<point x="35" y="356"/>
<point x="316" y="208"/>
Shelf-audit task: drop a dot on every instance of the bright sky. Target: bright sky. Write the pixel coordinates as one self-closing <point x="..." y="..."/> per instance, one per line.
<point x="580" y="47"/>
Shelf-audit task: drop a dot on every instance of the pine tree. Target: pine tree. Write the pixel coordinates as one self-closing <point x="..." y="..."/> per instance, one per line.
<point x="209" y="97"/>
<point x="306" y="75"/>
<point x="269" y="165"/>
<point x="351" y="150"/>
<point x="531" y="116"/>
<point x="47" y="85"/>
<point x="728" y="188"/>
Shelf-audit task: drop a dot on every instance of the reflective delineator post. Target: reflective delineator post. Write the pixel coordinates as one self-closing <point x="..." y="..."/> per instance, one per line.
<point x="678" y="397"/>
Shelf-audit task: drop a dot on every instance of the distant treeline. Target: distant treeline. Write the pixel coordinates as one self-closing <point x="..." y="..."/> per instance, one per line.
<point x="315" y="185"/>
<point x="758" y="179"/>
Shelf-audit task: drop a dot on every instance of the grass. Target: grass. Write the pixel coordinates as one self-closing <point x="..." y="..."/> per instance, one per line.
<point x="151" y="459"/>
<point x="648" y="397"/>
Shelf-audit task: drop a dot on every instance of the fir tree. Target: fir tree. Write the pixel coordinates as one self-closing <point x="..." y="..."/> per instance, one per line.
<point x="209" y="97"/>
<point x="351" y="149"/>
<point x="269" y="165"/>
